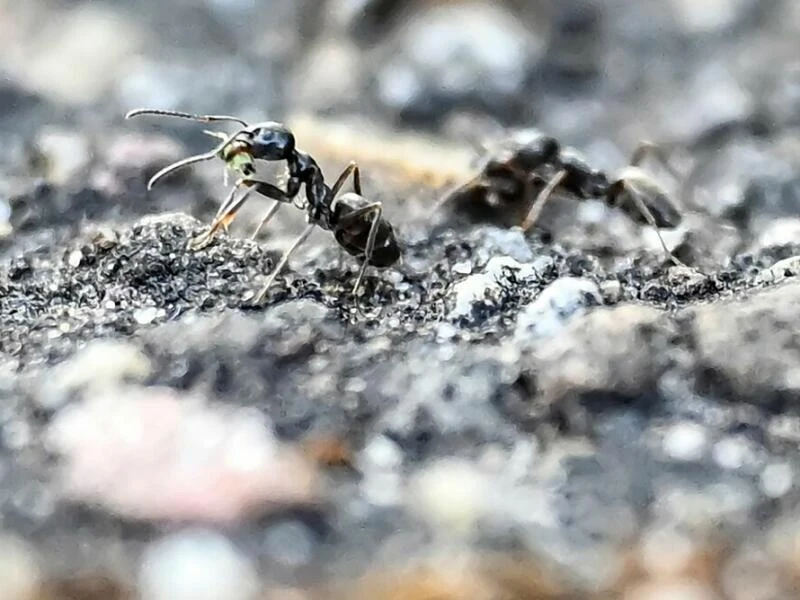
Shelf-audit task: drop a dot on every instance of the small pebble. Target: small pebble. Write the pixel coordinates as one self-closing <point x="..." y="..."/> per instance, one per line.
<point x="732" y="453"/>
<point x="452" y="495"/>
<point x="777" y="479"/>
<point x="685" y="441"/>
<point x="196" y="564"/>
<point x="486" y="290"/>
<point x="145" y="316"/>
<point x="783" y="269"/>
<point x="554" y="306"/>
<point x="75" y="258"/>
<point x="381" y="453"/>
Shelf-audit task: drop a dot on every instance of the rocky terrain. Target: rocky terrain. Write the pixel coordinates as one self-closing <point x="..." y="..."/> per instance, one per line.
<point x="558" y="414"/>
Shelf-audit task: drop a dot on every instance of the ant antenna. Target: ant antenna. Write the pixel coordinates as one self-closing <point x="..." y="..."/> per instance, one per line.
<point x="184" y="115"/>
<point x="210" y="155"/>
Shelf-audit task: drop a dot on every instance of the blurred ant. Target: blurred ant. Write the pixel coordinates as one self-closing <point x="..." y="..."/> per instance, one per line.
<point x="508" y="178"/>
<point x="356" y="223"/>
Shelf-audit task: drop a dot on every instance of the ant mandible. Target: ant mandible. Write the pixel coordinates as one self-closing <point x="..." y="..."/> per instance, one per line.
<point x="357" y="224"/>
<point x="510" y="171"/>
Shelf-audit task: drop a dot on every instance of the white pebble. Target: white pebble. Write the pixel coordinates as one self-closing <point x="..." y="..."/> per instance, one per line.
<point x="196" y="564"/>
<point x="777" y="479"/>
<point x="788" y="267"/>
<point x="145" y="316"/>
<point x="452" y="495"/>
<point x="555" y="305"/>
<point x="731" y="453"/>
<point x="489" y="287"/>
<point x="382" y="453"/>
<point x="685" y="441"/>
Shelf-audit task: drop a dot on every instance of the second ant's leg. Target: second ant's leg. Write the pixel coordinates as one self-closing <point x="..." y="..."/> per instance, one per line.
<point x="645" y="149"/>
<point x="541" y="200"/>
<point x="282" y="262"/>
<point x="452" y="192"/>
<point x="376" y="208"/>
<point x="351" y="168"/>
<point x="642" y="208"/>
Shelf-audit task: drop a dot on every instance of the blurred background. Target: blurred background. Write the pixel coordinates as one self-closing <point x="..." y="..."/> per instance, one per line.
<point x="720" y="78"/>
<point x="582" y="69"/>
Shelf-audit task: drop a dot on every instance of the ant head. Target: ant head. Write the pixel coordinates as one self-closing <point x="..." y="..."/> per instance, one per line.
<point x="535" y="152"/>
<point x="271" y="141"/>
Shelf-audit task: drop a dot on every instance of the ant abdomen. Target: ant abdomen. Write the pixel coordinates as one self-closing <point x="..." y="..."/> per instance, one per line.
<point x="354" y="215"/>
<point x="634" y="188"/>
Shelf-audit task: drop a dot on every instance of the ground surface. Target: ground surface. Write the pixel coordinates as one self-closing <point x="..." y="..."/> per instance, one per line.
<point x="499" y="415"/>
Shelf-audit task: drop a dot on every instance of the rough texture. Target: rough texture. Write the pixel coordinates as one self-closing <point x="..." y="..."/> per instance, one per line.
<point x="557" y="414"/>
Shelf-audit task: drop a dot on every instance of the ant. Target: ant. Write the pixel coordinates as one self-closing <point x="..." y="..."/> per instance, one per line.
<point x="357" y="224"/>
<point x="509" y="173"/>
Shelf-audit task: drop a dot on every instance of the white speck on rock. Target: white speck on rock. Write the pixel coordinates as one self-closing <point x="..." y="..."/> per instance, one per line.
<point x="554" y="306"/>
<point x="783" y="269"/>
<point x="733" y="453"/>
<point x="68" y="155"/>
<point x="463" y="267"/>
<point x="685" y="441"/>
<point x="196" y="565"/>
<point x="777" y="479"/>
<point x="146" y="315"/>
<point x="381" y="453"/>
<point x="451" y="495"/>
<point x="487" y="289"/>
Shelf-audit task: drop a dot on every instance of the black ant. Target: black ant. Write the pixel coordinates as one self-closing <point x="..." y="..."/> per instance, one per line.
<point x="356" y="223"/>
<point x="509" y="175"/>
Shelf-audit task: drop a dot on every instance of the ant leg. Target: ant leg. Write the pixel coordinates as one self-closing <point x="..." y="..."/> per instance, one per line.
<point x="267" y="218"/>
<point x="648" y="215"/>
<point x="541" y="200"/>
<point x="351" y="168"/>
<point x="282" y="262"/>
<point x="376" y="208"/>
<point x="645" y="149"/>
<point x="224" y="217"/>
